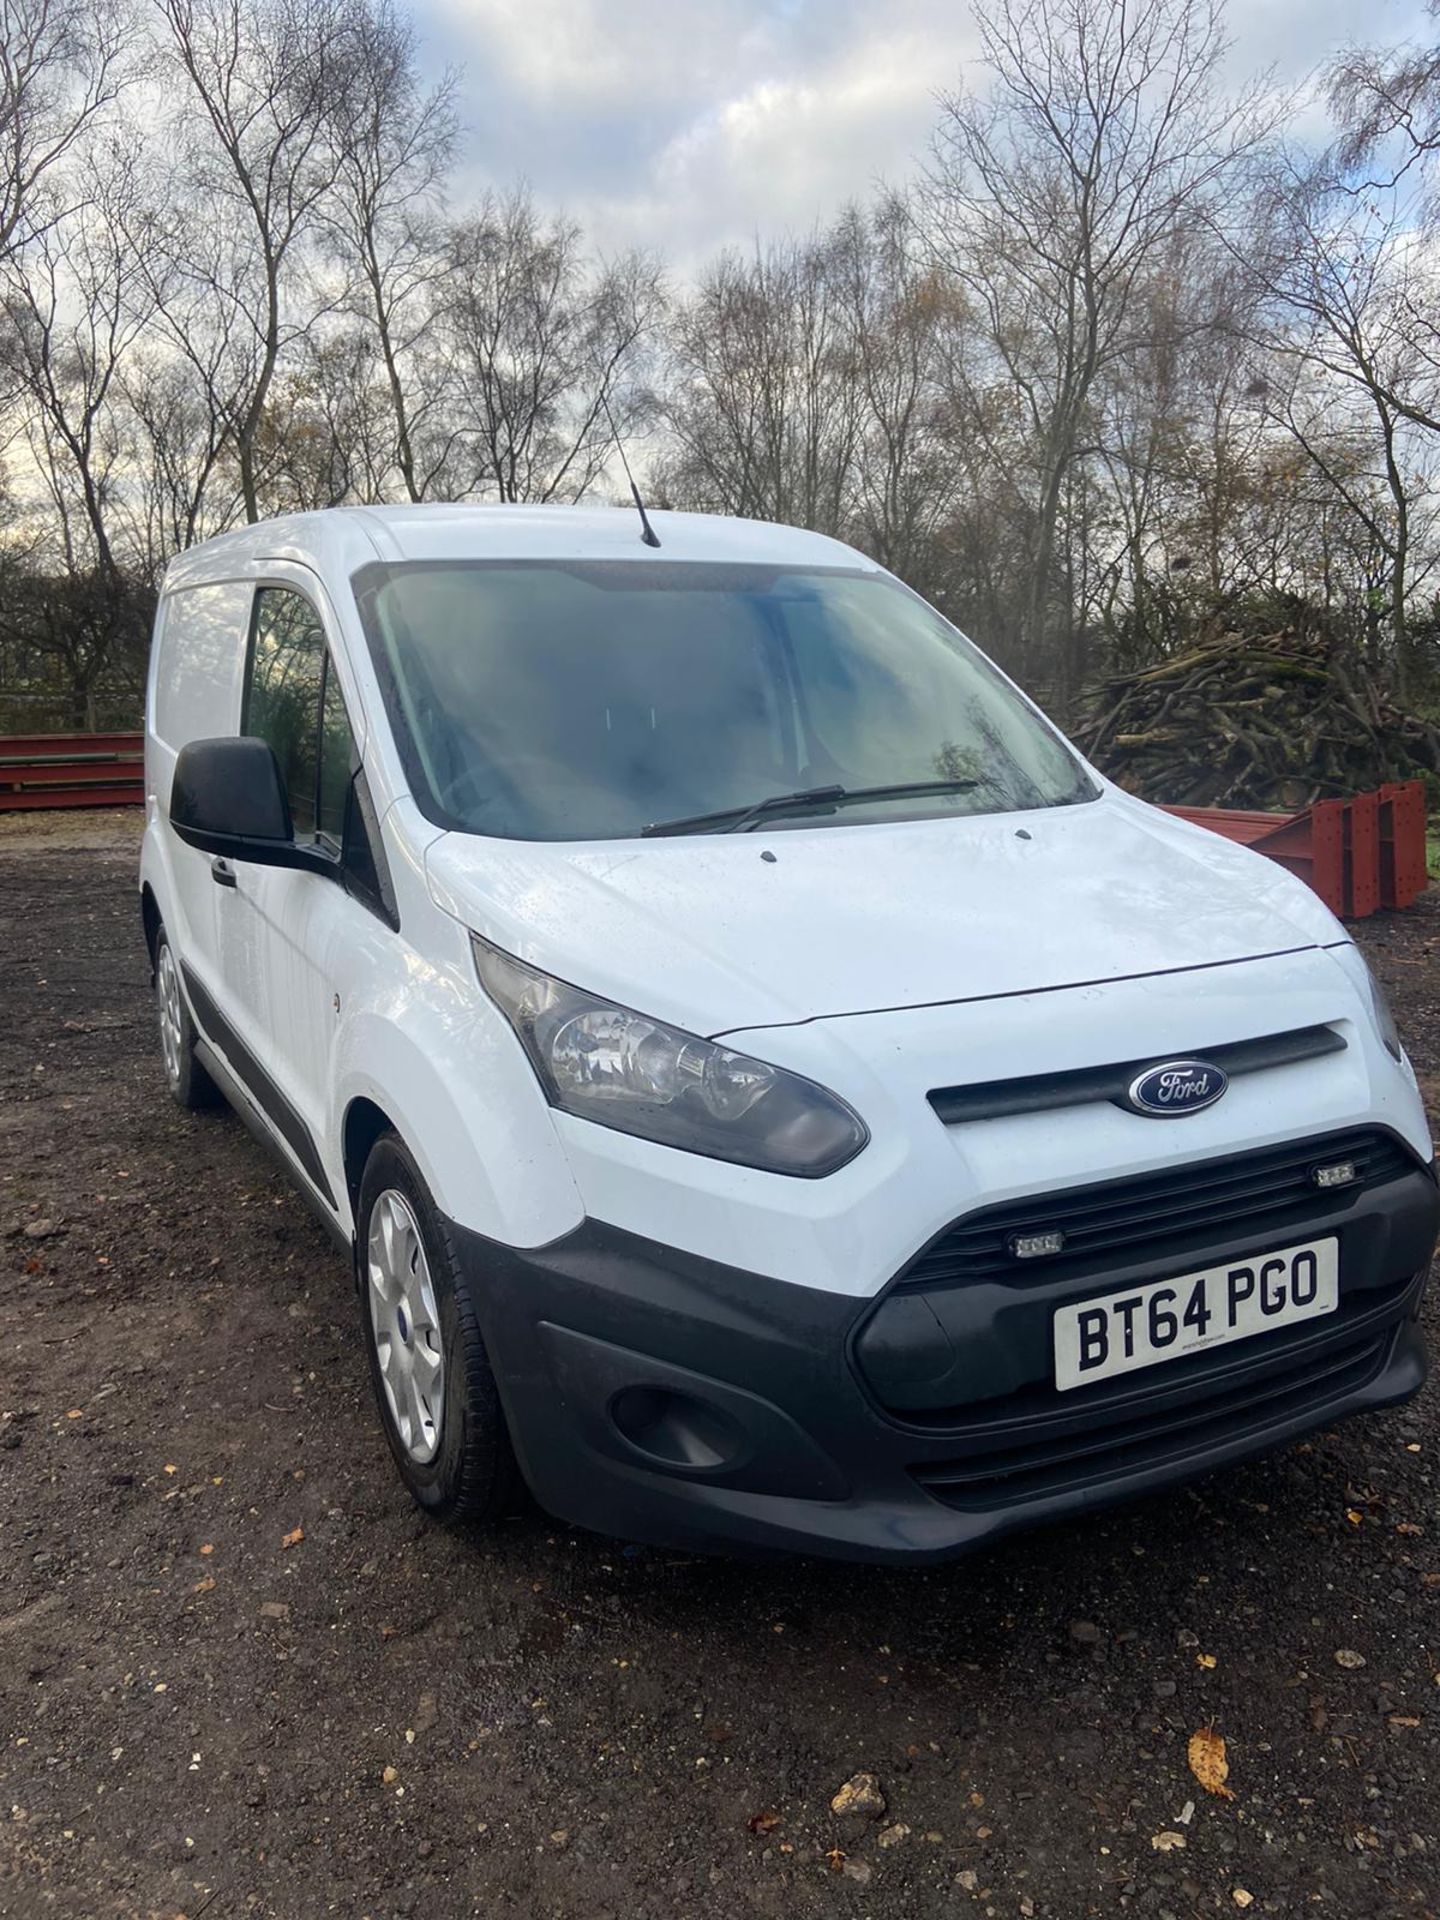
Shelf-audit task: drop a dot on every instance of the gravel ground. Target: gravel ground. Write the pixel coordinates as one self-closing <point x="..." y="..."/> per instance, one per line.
<point x="239" y="1675"/>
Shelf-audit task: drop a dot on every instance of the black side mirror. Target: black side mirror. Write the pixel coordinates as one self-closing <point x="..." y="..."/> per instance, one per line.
<point x="227" y="798"/>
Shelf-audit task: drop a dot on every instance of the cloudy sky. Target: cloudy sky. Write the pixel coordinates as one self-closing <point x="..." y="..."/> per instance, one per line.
<point x="689" y="124"/>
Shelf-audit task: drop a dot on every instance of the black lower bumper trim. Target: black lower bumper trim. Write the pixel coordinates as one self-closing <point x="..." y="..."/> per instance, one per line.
<point x="659" y="1396"/>
<point x="1023" y="1472"/>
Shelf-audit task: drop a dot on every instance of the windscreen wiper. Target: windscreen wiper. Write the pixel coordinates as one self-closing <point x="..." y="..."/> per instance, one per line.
<point x="805" y="800"/>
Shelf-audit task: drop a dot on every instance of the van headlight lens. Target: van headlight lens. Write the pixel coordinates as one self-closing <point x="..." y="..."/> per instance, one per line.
<point x="625" y="1070"/>
<point x="1384" y="1018"/>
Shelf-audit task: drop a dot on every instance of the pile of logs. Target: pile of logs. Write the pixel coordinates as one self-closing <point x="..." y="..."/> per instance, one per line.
<point x="1272" y="722"/>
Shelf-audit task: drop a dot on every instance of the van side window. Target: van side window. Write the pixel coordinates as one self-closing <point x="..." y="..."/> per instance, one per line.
<point x="294" y="703"/>
<point x="284" y="684"/>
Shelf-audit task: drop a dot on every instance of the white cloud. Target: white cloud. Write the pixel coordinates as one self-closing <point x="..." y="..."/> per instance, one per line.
<point x="686" y="125"/>
<point x="786" y="151"/>
<point x="590" y="55"/>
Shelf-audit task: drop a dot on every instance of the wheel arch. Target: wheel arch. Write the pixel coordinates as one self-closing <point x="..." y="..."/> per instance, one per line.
<point x="365" y="1122"/>
<point x="469" y="1114"/>
<point x="150" y="920"/>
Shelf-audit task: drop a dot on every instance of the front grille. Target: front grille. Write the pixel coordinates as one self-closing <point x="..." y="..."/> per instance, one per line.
<point x="1240" y="1412"/>
<point x="1242" y="1194"/>
<point x="1041" y="1092"/>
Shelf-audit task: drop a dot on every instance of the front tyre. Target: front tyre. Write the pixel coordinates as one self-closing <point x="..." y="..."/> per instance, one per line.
<point x="433" y="1383"/>
<point x="190" y="1085"/>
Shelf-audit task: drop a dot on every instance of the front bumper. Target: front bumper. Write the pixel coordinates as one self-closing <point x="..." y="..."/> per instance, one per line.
<point x="664" y="1397"/>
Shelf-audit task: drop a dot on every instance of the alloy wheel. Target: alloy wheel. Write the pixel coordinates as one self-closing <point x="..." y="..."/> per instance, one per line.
<point x="172" y="1028"/>
<point x="405" y="1325"/>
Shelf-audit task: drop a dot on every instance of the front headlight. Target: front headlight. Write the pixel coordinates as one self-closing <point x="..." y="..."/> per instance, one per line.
<point x="624" y="1070"/>
<point x="1384" y="1018"/>
<point x="1349" y="957"/>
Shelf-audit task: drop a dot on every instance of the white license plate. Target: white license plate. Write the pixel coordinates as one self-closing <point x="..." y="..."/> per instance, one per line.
<point x="1168" y="1319"/>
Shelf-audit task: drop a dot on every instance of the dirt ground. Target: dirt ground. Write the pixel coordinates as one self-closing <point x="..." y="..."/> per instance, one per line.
<point x="203" y="1712"/>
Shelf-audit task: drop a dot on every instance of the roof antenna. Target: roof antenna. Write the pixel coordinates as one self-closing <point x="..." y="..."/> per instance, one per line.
<point x="649" y="536"/>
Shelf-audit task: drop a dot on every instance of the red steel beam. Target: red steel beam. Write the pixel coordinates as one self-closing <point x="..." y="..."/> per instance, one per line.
<point x="47" y="770"/>
<point x="1358" y="854"/>
<point x="1362" y="855"/>
<point x="72" y="773"/>
<point x="1404" y="875"/>
<point x="49" y="746"/>
<point x="131" y="794"/>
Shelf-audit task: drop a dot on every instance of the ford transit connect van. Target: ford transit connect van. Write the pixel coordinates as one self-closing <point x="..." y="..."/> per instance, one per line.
<point x="773" y="1091"/>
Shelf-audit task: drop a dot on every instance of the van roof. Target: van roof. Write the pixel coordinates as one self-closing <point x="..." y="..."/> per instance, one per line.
<point x="339" y="540"/>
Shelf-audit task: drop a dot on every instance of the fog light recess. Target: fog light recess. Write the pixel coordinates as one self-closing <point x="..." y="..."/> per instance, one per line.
<point x="676" y="1429"/>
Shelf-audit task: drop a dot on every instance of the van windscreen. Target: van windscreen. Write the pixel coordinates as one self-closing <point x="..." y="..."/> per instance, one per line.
<point x="563" y="700"/>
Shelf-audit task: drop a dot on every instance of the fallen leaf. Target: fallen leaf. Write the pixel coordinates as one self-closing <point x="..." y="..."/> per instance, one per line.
<point x="765" y="1822"/>
<point x="1409" y="1528"/>
<point x="170" y="1469"/>
<point x="1205" y="1659"/>
<point x="1167" y="1842"/>
<point x="205" y="1585"/>
<point x="294" y="1537"/>
<point x="1208" y="1762"/>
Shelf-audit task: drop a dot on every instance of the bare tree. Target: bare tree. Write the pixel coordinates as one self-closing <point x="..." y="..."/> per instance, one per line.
<point x="180" y="447"/>
<point x="1387" y="104"/>
<point x="329" y="432"/>
<point x="267" y="82"/>
<point x="74" y="309"/>
<point x="763" y="402"/>
<point x="541" y="341"/>
<point x="396" y="141"/>
<point x="1053" y="198"/>
<point x="62" y="65"/>
<point x="1352" y="291"/>
<point x="908" y="333"/>
<point x="74" y="313"/>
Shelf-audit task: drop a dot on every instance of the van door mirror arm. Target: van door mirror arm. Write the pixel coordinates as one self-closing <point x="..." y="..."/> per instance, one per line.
<point x="259" y="850"/>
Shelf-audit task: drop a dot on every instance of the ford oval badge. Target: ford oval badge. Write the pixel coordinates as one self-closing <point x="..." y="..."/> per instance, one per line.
<point x="1176" y="1087"/>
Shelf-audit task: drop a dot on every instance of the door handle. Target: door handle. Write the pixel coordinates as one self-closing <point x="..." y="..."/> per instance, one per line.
<point x="221" y="872"/>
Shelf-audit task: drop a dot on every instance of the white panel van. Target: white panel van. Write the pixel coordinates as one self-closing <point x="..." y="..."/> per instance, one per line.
<point x="772" y="1091"/>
